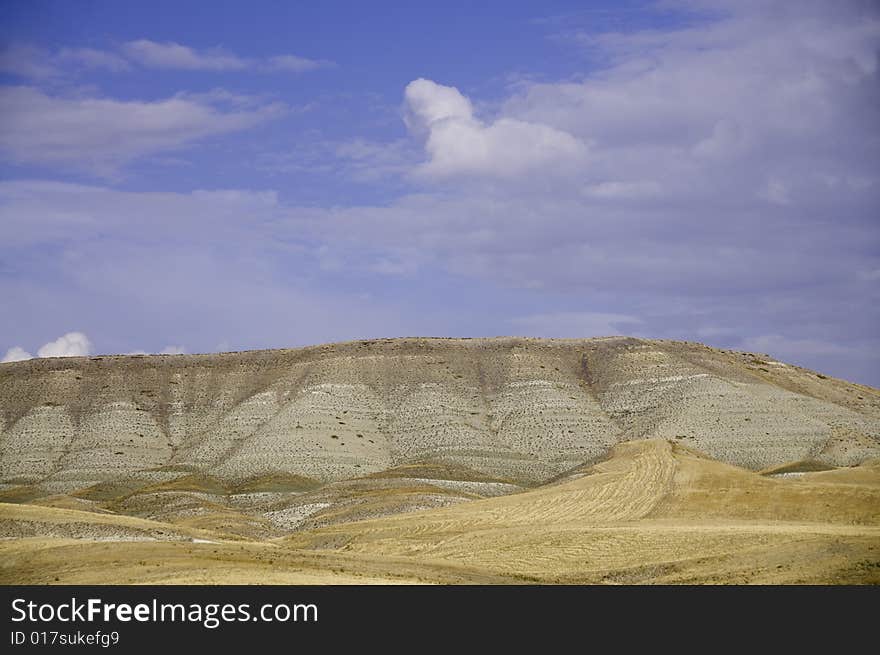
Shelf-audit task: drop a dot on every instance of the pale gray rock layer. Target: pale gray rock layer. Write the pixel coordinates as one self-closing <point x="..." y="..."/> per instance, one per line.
<point x="515" y="410"/>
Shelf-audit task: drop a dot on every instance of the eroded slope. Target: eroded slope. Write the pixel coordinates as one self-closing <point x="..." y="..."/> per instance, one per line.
<point x="262" y="443"/>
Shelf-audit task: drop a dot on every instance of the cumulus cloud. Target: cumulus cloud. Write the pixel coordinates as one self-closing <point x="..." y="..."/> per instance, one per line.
<point x="727" y="177"/>
<point x="102" y="134"/>
<point x="429" y="103"/>
<point x="457" y="143"/>
<point x="722" y="156"/>
<point x="16" y="354"/>
<point x="72" y="344"/>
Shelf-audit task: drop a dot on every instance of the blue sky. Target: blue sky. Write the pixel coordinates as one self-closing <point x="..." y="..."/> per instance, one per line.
<point x="197" y="177"/>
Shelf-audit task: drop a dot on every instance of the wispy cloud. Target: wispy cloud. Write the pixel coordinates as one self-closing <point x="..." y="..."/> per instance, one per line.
<point x="170" y="55"/>
<point x="228" y="265"/>
<point x="102" y="134"/>
<point x="42" y="64"/>
<point x="27" y="61"/>
<point x="31" y="62"/>
<point x="153" y="54"/>
<point x="294" y="64"/>
<point x="92" y="59"/>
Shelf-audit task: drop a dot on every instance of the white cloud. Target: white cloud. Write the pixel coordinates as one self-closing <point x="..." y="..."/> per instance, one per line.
<point x="429" y="103"/>
<point x="706" y="169"/>
<point x="661" y="218"/>
<point x="41" y="64"/>
<point x="294" y="64"/>
<point x="758" y="100"/>
<point x="167" y="350"/>
<point x="72" y="344"/>
<point x="16" y="354"/>
<point x="727" y="178"/>
<point x="459" y="144"/>
<point x="575" y="325"/>
<point x="101" y="134"/>
<point x="174" y="55"/>
<point x="228" y="265"/>
<point x="27" y="61"/>
<point x="36" y="63"/>
<point x="37" y="212"/>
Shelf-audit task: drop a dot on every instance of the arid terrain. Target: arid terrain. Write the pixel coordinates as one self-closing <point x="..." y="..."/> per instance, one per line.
<point x="509" y="460"/>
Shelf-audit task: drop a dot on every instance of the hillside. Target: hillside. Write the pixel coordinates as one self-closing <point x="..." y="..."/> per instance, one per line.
<point x="653" y="512"/>
<point x="511" y="436"/>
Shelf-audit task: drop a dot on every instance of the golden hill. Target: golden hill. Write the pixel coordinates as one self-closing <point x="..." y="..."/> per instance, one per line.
<point x="652" y="512"/>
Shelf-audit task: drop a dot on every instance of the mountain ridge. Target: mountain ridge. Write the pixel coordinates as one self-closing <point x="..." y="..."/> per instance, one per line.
<point x="334" y="432"/>
<point x="611" y="459"/>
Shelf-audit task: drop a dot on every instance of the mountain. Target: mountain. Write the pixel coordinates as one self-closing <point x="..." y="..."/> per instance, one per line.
<point x="329" y="446"/>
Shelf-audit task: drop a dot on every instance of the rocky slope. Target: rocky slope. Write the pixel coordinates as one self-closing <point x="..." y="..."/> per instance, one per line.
<point x="270" y="441"/>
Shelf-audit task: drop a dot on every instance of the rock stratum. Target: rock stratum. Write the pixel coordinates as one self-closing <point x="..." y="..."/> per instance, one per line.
<point x="393" y="451"/>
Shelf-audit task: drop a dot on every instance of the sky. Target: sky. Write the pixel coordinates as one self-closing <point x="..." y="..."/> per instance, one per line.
<point x="213" y="176"/>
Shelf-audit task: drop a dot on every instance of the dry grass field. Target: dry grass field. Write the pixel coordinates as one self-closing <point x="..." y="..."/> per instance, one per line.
<point x="654" y="512"/>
